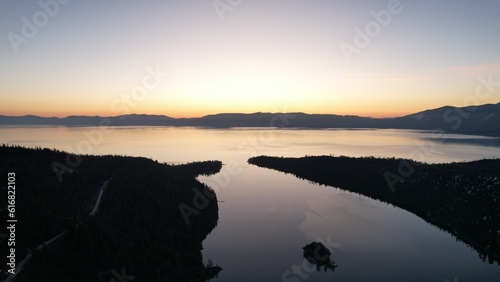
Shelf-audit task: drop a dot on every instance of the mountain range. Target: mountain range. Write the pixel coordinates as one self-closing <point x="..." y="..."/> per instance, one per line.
<point x="481" y="120"/>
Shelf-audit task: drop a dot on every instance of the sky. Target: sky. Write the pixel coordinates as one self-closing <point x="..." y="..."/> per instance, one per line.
<point x="189" y="58"/>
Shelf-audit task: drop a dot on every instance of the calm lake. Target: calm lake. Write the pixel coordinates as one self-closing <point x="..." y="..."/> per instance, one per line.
<point x="266" y="217"/>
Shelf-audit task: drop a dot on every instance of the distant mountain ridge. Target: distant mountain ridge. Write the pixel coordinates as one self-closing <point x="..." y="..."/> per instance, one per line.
<point x="481" y="120"/>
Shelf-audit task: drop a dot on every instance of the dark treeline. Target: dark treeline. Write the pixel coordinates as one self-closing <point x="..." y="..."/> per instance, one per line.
<point x="138" y="229"/>
<point x="461" y="198"/>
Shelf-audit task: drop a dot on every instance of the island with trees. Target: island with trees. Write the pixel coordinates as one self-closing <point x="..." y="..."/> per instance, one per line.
<point x="317" y="254"/>
<point x="107" y="218"/>
<point x="462" y="198"/>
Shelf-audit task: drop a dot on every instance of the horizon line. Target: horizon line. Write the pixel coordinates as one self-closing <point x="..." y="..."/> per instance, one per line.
<point x="243" y="113"/>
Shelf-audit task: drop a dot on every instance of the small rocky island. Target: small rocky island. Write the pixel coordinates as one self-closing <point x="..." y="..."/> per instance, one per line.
<point x="319" y="255"/>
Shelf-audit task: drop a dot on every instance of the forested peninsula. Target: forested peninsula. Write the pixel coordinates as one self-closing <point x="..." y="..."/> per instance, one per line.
<point x="461" y="198"/>
<point x="107" y="218"/>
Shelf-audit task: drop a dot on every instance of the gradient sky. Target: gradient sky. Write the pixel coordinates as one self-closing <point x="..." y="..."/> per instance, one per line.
<point x="261" y="55"/>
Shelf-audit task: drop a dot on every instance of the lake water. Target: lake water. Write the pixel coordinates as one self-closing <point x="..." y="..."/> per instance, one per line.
<point x="266" y="217"/>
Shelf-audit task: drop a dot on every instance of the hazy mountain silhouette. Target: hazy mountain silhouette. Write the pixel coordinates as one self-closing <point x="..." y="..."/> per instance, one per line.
<point x="484" y="120"/>
<point x="87" y="120"/>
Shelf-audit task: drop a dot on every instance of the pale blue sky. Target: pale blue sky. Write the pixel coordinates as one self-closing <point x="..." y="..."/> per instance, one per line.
<point x="262" y="56"/>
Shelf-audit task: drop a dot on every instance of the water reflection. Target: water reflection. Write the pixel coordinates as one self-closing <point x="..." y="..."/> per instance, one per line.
<point x="267" y="216"/>
<point x="486" y="141"/>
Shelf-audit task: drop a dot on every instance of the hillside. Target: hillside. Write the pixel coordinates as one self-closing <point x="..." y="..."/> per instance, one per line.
<point x="108" y="215"/>
<point x="481" y="120"/>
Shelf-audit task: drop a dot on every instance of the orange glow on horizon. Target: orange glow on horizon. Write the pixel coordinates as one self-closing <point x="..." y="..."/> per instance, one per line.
<point x="200" y="113"/>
